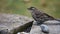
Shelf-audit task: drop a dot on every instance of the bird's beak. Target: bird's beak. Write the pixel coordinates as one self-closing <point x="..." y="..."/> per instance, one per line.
<point x="28" y="8"/>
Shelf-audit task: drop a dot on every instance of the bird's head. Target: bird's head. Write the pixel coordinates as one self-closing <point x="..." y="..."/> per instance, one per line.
<point x="31" y="8"/>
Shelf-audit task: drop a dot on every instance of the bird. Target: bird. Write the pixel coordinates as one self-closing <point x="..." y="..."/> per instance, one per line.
<point x="39" y="16"/>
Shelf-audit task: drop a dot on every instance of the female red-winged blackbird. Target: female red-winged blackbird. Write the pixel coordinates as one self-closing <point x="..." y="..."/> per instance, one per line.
<point x="39" y="15"/>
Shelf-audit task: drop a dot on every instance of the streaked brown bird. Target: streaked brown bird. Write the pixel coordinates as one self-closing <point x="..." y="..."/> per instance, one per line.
<point x="39" y="15"/>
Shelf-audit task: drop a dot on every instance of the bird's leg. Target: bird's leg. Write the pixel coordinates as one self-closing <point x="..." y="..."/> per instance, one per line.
<point x="39" y="22"/>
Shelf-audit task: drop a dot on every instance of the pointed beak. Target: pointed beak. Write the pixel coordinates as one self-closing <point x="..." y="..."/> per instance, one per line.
<point x="28" y="8"/>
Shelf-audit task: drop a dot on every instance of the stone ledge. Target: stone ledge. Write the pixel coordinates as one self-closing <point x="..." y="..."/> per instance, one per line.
<point x="53" y="29"/>
<point x="14" y="23"/>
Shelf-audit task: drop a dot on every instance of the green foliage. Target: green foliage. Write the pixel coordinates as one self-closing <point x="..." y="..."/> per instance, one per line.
<point x="51" y="7"/>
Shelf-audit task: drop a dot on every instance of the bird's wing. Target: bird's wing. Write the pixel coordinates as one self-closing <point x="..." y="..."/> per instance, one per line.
<point x="48" y="16"/>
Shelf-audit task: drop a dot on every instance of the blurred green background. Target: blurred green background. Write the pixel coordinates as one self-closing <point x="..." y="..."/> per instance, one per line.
<point x="51" y="7"/>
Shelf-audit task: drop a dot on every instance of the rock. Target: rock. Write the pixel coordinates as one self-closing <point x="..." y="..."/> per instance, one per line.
<point x="5" y="31"/>
<point x="22" y="33"/>
<point x="52" y="22"/>
<point x="14" y="23"/>
<point x="35" y="29"/>
<point x="44" y="28"/>
<point x="53" y="25"/>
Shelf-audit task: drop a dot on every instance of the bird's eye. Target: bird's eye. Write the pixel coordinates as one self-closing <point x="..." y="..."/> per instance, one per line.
<point x="33" y="8"/>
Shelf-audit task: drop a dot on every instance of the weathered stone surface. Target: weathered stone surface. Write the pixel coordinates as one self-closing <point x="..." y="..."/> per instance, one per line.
<point x="22" y="33"/>
<point x="52" y="22"/>
<point x="35" y="29"/>
<point x="53" y="25"/>
<point x="14" y="23"/>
